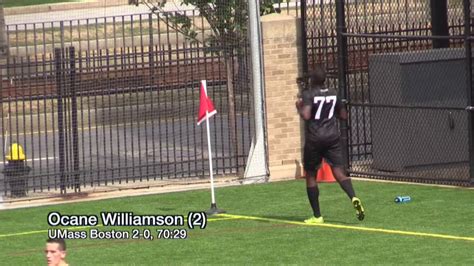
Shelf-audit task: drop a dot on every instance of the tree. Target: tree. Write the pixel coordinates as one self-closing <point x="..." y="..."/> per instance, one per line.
<point x="227" y="21"/>
<point x="4" y="51"/>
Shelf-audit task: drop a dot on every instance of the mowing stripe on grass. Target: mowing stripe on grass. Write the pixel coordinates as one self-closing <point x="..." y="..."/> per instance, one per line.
<point x="386" y="231"/>
<point x="99" y="225"/>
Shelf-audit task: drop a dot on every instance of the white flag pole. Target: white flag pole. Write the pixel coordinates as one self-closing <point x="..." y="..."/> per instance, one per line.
<point x="211" y="170"/>
<point x="214" y="209"/>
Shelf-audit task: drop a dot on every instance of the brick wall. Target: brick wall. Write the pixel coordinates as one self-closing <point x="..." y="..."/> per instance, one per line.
<point x="282" y="65"/>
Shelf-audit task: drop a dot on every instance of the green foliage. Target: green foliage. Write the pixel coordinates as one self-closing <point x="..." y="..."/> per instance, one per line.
<point x="267" y="6"/>
<point x="228" y="20"/>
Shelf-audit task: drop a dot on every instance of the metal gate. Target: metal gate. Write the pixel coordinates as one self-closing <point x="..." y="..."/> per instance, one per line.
<point x="119" y="109"/>
<point x="405" y="68"/>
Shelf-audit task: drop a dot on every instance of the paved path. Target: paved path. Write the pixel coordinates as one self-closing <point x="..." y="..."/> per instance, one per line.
<point x="77" y="14"/>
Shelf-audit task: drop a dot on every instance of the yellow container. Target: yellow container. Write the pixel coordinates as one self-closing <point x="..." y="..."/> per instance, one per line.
<point x="16" y="153"/>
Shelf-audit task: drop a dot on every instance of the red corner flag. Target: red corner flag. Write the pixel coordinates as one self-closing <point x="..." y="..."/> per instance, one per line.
<point x="206" y="107"/>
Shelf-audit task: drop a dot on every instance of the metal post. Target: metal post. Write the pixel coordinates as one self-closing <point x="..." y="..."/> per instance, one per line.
<point x="304" y="36"/>
<point x="470" y="90"/>
<point x="257" y="166"/>
<point x="61" y="34"/>
<point x="151" y="59"/>
<point x="342" y="69"/>
<point x="58" y="58"/>
<point x="74" y="124"/>
<point x="439" y="22"/>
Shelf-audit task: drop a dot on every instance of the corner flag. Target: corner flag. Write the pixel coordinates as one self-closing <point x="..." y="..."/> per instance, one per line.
<point x="206" y="107"/>
<point x="206" y="111"/>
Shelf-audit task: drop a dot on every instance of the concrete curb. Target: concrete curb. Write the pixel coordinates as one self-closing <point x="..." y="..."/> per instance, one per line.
<point x="116" y="193"/>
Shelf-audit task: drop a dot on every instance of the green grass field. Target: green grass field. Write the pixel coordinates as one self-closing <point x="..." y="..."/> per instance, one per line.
<point x="278" y="237"/>
<point x="15" y="3"/>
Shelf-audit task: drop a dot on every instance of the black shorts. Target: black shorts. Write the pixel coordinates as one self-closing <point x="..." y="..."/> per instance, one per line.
<point x="314" y="152"/>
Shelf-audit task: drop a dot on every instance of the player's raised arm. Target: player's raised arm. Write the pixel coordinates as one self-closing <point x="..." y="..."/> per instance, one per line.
<point x="303" y="105"/>
<point x="303" y="110"/>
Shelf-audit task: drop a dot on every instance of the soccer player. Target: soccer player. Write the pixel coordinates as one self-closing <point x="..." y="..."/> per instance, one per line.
<point x="319" y="107"/>
<point x="55" y="252"/>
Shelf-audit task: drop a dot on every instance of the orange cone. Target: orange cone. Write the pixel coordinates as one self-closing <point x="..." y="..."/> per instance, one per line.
<point x="324" y="174"/>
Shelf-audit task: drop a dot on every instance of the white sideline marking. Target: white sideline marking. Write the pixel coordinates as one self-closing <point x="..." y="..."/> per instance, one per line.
<point x="359" y="228"/>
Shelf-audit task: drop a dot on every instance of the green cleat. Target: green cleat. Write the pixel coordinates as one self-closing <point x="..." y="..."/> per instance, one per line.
<point x="314" y="220"/>
<point x="359" y="208"/>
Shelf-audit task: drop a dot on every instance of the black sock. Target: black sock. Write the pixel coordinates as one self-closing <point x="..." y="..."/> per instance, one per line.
<point x="313" y="197"/>
<point x="346" y="185"/>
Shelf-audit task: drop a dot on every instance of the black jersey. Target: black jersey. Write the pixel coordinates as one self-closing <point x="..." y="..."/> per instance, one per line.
<point x="322" y="127"/>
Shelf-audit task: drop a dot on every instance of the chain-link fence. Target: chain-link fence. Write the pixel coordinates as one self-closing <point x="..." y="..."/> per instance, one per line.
<point x="404" y="69"/>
